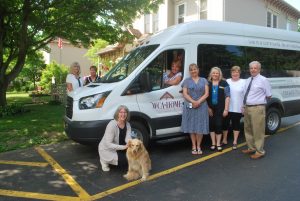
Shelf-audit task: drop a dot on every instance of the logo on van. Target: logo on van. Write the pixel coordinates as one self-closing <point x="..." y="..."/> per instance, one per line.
<point x="167" y="102"/>
<point x="166" y="96"/>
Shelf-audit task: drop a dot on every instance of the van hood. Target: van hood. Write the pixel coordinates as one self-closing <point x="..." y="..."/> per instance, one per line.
<point x="92" y="89"/>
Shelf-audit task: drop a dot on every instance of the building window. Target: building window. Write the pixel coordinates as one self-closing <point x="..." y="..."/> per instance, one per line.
<point x="271" y="19"/>
<point x="274" y="21"/>
<point x="155" y="20"/>
<point x="181" y="13"/>
<point x="147" y="23"/>
<point x="288" y="25"/>
<point x="203" y="9"/>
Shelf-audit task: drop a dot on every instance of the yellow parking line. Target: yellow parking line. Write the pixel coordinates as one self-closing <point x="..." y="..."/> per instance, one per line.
<point x="172" y="170"/>
<point x="68" y="178"/>
<point x="36" y="164"/>
<point x="288" y="127"/>
<point x="32" y="195"/>
<point x="83" y="195"/>
<point x="162" y="173"/>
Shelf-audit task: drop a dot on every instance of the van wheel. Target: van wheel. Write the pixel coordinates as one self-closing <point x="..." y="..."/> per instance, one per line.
<point x="273" y="120"/>
<point x="140" y="132"/>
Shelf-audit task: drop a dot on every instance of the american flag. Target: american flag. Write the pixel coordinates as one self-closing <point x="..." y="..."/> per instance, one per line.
<point x="60" y="43"/>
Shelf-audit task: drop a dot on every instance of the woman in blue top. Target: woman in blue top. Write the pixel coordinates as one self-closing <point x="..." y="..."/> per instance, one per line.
<point x="195" y="119"/>
<point x="218" y="102"/>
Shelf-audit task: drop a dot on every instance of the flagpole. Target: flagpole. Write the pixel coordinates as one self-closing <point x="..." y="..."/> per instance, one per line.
<point x="60" y="45"/>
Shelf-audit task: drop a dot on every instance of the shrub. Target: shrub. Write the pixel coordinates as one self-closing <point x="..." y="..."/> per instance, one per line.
<point x="54" y="102"/>
<point x="12" y="109"/>
<point x="38" y="94"/>
<point x="58" y="71"/>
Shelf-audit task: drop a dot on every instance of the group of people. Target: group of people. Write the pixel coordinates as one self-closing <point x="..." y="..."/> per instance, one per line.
<point x="211" y="104"/>
<point x="74" y="80"/>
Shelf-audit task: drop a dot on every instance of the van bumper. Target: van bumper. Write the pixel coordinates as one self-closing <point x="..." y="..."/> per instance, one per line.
<point x="85" y="132"/>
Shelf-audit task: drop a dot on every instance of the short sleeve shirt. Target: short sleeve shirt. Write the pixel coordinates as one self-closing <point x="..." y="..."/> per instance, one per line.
<point x="74" y="81"/>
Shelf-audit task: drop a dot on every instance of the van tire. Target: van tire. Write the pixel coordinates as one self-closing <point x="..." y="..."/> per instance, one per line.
<point x="141" y="132"/>
<point x="273" y="120"/>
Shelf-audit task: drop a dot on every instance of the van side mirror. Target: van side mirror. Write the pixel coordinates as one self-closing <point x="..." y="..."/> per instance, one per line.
<point x="145" y="81"/>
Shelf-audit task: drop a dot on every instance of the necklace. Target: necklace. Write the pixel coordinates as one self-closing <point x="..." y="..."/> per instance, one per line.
<point x="215" y="88"/>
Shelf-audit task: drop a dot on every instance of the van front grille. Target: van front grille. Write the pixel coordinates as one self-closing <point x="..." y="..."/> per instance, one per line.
<point x="69" y="107"/>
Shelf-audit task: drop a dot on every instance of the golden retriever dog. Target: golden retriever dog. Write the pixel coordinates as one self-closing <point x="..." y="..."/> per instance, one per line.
<point x="139" y="163"/>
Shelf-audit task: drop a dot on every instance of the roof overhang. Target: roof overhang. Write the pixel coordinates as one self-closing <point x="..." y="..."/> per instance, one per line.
<point x="284" y="6"/>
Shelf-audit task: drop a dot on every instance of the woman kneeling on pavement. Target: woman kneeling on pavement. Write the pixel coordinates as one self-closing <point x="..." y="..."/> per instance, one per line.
<point x="116" y="136"/>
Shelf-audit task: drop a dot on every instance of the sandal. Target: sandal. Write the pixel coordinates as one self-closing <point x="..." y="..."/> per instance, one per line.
<point x="194" y="151"/>
<point x="219" y="148"/>
<point x="234" y="146"/>
<point x="199" y="151"/>
<point x="224" y="144"/>
<point x="213" y="147"/>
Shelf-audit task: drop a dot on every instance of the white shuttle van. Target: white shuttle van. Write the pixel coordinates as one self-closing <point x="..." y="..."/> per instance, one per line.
<point x="155" y="109"/>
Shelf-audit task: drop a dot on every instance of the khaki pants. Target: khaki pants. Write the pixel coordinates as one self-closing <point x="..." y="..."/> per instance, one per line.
<point x="254" y="127"/>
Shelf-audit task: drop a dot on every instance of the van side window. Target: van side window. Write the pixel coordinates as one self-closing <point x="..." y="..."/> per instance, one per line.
<point x="158" y="69"/>
<point x="275" y="62"/>
<point x="223" y="56"/>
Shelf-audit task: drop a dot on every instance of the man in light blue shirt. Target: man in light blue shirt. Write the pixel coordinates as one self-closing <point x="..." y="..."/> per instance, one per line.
<point x="256" y="92"/>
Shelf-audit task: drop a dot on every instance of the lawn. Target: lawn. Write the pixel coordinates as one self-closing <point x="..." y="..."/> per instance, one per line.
<point x="42" y="124"/>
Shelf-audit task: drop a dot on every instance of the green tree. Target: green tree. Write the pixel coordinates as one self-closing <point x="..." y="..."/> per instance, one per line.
<point x="29" y="25"/>
<point x="59" y="72"/>
<point x="96" y="47"/>
<point x="33" y="67"/>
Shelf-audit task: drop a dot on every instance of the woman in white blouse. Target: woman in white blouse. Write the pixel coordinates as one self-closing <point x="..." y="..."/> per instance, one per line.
<point x="235" y="106"/>
<point x="74" y="80"/>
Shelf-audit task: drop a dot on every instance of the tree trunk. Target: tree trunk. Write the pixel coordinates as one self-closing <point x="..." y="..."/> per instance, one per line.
<point x="3" y="89"/>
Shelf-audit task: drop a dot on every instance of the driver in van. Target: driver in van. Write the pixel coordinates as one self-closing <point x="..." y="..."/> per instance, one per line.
<point x="175" y="75"/>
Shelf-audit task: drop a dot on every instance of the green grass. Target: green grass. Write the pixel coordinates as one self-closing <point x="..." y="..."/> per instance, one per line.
<point x="24" y="98"/>
<point x="43" y="124"/>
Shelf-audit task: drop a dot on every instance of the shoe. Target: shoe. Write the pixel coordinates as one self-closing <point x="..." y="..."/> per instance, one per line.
<point x="213" y="147"/>
<point x="105" y="169"/>
<point x="105" y="166"/>
<point x="257" y="156"/>
<point x="234" y="146"/>
<point x="224" y="144"/>
<point x="248" y="151"/>
<point x="199" y="152"/>
<point x="219" y="148"/>
<point x="194" y="151"/>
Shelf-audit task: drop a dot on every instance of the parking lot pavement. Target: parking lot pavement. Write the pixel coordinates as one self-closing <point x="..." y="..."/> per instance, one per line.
<point x="231" y="177"/>
<point x="69" y="171"/>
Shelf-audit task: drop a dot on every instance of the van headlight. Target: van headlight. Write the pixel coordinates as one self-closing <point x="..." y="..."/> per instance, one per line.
<point x="93" y="101"/>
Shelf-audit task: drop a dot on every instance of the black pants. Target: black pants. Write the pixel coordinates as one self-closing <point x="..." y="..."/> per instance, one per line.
<point x="217" y="121"/>
<point x="235" y="119"/>
<point x="122" y="160"/>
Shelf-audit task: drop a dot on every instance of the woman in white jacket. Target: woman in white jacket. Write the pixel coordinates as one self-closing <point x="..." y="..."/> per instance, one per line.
<point x="116" y="136"/>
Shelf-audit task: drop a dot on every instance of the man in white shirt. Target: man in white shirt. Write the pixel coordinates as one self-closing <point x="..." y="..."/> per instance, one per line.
<point x="256" y="92"/>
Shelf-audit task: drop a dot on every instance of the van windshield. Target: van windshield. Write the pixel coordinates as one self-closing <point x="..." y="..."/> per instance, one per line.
<point x="128" y="64"/>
